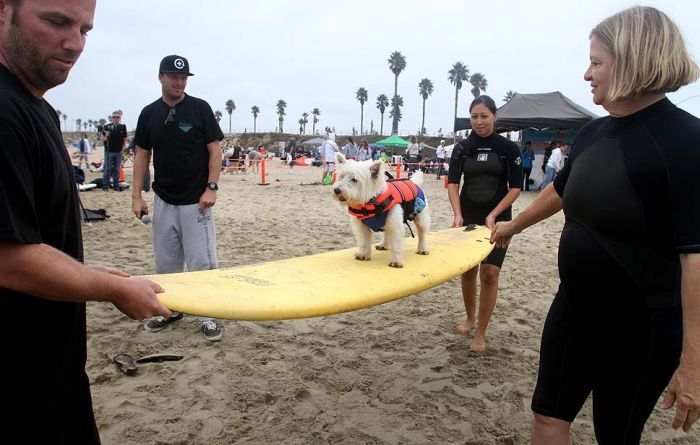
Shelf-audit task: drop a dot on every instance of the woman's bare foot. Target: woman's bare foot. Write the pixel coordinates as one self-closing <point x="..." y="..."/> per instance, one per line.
<point x="464" y="327"/>
<point x="478" y="345"/>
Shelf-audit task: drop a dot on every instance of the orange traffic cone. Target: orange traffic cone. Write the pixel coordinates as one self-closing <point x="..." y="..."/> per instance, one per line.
<point x="122" y="177"/>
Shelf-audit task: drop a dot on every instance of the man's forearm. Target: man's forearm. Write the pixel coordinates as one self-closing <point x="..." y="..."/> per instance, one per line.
<point x="41" y="270"/>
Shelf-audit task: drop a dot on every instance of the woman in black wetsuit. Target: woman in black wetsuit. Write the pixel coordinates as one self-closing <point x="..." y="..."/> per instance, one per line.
<point x="625" y="322"/>
<point x="493" y="178"/>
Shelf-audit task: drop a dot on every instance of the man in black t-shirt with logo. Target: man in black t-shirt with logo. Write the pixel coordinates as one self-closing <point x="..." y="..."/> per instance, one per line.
<point x="43" y="283"/>
<point x="114" y="146"/>
<point x="182" y="134"/>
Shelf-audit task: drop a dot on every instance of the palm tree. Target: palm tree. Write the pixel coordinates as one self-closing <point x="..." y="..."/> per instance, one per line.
<point x="301" y="126"/>
<point x="58" y="112"/>
<point x="65" y="122"/>
<point x="361" y="95"/>
<point x="305" y="120"/>
<point x="509" y="96"/>
<point x="397" y="63"/>
<point x="84" y="126"/>
<point x="425" y="89"/>
<point x="396" y="104"/>
<point x="78" y="123"/>
<point x="479" y="83"/>
<point x="218" y="114"/>
<point x="254" y="110"/>
<point x="316" y="113"/>
<point x="90" y="124"/>
<point x="382" y="104"/>
<point x="230" y="106"/>
<point x="458" y="74"/>
<point x="281" y="105"/>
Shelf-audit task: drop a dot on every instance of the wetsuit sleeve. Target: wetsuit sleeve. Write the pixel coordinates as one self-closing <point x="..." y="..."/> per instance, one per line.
<point x="142" y="135"/>
<point x="18" y="215"/>
<point x="454" y="175"/>
<point x="212" y="131"/>
<point x="683" y="159"/>
<point x="515" y="166"/>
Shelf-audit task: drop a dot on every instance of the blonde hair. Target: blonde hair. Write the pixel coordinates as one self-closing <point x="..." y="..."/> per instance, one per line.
<point x="414" y="140"/>
<point x="648" y="52"/>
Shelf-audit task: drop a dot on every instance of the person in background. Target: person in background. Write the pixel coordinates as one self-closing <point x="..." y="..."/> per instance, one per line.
<point x="84" y="148"/>
<point x="412" y="154"/>
<point x="364" y="153"/>
<point x="350" y="149"/>
<point x="44" y="284"/>
<point x="440" y="155"/>
<point x="625" y="322"/>
<point x="528" y="157"/>
<point x="554" y="164"/>
<point x="493" y="176"/>
<point x="291" y="150"/>
<point x="328" y="150"/>
<point x="182" y="134"/>
<point x="115" y="138"/>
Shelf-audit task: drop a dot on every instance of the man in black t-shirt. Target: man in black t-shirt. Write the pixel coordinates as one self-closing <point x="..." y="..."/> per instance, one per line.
<point x="114" y="146"/>
<point x="43" y="283"/>
<point x="183" y="135"/>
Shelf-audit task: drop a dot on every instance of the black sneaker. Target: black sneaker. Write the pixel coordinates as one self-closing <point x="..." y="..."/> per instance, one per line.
<point x="159" y="323"/>
<point x="212" y="331"/>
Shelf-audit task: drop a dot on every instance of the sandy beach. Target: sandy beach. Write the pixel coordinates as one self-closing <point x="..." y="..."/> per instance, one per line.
<point x="393" y="374"/>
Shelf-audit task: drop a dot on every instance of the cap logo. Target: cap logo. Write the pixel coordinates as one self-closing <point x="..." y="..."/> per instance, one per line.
<point x="179" y="63"/>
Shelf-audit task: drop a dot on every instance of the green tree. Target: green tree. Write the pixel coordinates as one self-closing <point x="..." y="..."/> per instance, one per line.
<point x="361" y="96"/>
<point x="479" y="84"/>
<point x="316" y="113"/>
<point x="218" y="115"/>
<point x="382" y="104"/>
<point x="457" y="75"/>
<point x="510" y="94"/>
<point x="305" y="120"/>
<point x="397" y="63"/>
<point x="395" y="113"/>
<point x="230" y="106"/>
<point x="425" y="89"/>
<point x="254" y="110"/>
<point x="281" y="105"/>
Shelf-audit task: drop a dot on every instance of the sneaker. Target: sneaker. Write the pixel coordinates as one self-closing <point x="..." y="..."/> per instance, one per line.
<point x="212" y="331"/>
<point x="159" y="323"/>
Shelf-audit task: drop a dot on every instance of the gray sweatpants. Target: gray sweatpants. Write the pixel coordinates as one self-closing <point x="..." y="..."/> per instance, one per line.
<point x="183" y="236"/>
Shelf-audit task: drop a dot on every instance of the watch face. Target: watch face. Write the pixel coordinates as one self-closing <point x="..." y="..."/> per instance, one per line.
<point x="213" y="186"/>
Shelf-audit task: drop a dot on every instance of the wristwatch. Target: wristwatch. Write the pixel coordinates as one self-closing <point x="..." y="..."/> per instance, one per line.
<point x="213" y="186"/>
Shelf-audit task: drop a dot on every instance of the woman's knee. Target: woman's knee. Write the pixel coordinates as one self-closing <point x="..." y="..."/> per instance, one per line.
<point x="489" y="275"/>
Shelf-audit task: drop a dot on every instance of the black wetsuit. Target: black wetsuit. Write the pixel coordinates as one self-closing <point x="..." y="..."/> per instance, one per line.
<point x="630" y="192"/>
<point x="491" y="166"/>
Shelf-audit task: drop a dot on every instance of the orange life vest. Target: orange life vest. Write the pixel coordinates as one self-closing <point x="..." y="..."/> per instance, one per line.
<point x="398" y="191"/>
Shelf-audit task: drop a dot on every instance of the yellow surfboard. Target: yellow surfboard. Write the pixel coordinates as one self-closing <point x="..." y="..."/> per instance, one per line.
<point x="323" y="284"/>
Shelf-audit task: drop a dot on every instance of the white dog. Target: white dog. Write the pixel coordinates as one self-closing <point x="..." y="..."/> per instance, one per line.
<point x="376" y="204"/>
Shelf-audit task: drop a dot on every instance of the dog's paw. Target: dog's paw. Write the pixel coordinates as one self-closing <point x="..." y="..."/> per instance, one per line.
<point x="423" y="252"/>
<point x="360" y="257"/>
<point x="381" y="247"/>
<point x="396" y="264"/>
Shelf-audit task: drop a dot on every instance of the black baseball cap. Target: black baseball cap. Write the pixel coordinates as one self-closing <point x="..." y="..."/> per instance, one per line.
<point x="175" y="64"/>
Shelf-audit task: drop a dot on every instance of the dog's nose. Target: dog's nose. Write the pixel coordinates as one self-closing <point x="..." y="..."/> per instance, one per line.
<point x="336" y="191"/>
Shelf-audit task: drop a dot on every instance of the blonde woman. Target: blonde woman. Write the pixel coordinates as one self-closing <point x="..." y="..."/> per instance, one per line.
<point x="625" y="322"/>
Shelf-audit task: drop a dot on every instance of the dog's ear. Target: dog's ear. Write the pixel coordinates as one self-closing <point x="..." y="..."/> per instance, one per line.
<point x="339" y="158"/>
<point x="376" y="169"/>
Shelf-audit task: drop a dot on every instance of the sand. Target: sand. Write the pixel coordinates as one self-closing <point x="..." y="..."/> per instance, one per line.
<point x="393" y="374"/>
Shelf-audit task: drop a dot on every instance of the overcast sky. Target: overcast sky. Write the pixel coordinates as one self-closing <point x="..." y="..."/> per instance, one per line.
<point x="316" y="54"/>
